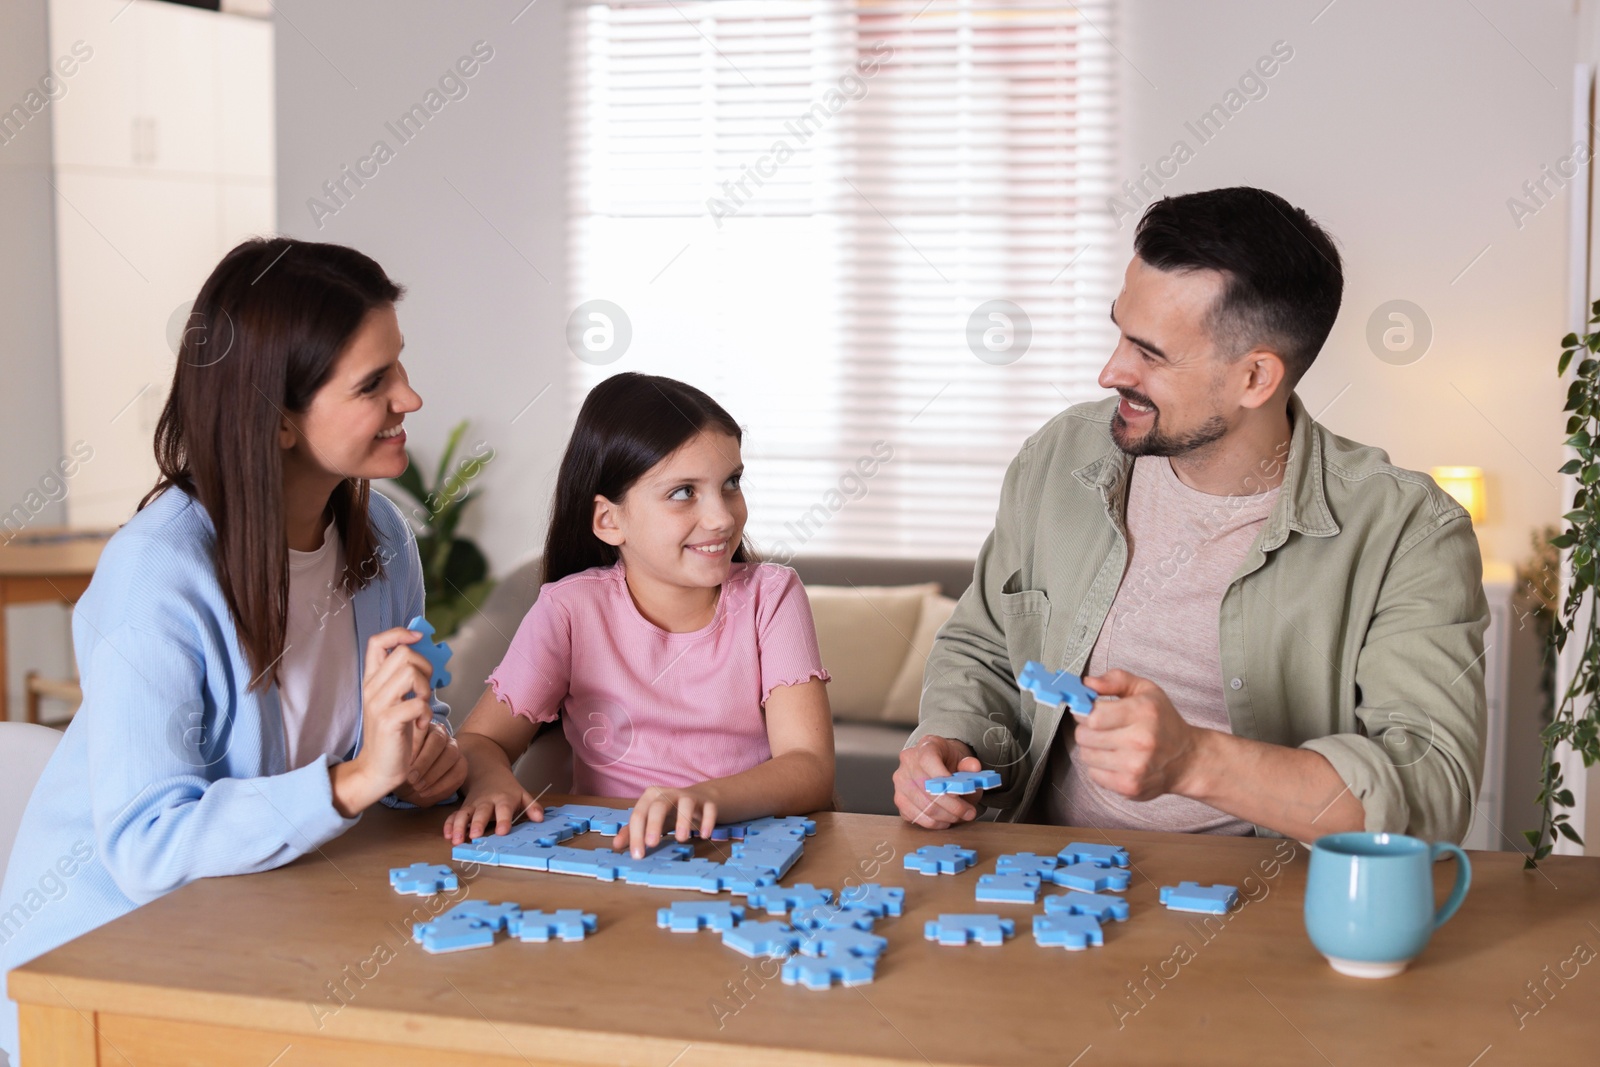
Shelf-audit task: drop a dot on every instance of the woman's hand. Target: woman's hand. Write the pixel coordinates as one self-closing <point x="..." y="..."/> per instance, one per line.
<point x="394" y="708"/>
<point x="691" y="808"/>
<point x="437" y="769"/>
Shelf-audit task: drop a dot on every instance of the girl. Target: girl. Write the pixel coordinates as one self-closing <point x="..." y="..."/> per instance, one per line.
<point x="248" y="688"/>
<point x="688" y="673"/>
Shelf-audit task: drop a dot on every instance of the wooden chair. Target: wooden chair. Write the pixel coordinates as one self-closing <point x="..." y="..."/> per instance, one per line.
<point x="66" y="690"/>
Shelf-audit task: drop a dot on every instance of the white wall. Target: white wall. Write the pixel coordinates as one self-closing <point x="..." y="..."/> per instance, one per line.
<point x="30" y="400"/>
<point x="468" y="214"/>
<point x="1403" y="129"/>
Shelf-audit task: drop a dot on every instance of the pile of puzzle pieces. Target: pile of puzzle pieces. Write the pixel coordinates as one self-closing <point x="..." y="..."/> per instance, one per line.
<point x="473" y="924"/>
<point x="823" y="943"/>
<point x="1071" y="920"/>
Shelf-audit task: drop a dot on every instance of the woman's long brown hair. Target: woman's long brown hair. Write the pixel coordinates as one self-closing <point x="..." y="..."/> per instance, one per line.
<point x="263" y="337"/>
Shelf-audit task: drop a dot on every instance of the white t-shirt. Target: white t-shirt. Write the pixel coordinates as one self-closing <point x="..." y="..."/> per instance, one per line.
<point x="319" y="688"/>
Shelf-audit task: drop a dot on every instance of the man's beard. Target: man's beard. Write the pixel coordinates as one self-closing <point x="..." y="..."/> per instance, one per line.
<point x="1157" y="442"/>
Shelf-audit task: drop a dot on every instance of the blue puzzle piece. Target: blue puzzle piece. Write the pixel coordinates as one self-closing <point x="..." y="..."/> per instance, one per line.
<point x="831" y="917"/>
<point x="779" y="899"/>
<point x="773" y="855"/>
<point x="501" y="916"/>
<point x="1099" y="855"/>
<point x="821" y="973"/>
<point x="742" y="881"/>
<point x="423" y="879"/>
<point x="436" y="654"/>
<point x="1056" y="689"/>
<point x="569" y="924"/>
<point x="1192" y="896"/>
<point x="940" y="859"/>
<point x="964" y="929"/>
<point x="1089" y="878"/>
<point x="701" y="874"/>
<point x="552" y="831"/>
<point x="1067" y="931"/>
<point x="508" y="851"/>
<point x="470" y="924"/>
<point x="687" y="916"/>
<point x="872" y="897"/>
<point x="598" y="863"/>
<point x="452" y="933"/>
<point x="1026" y="863"/>
<point x="1010" y="888"/>
<point x="608" y="821"/>
<point x="786" y="822"/>
<point x="843" y="941"/>
<point x="762" y="939"/>
<point x="962" y="783"/>
<point x="1097" y="907"/>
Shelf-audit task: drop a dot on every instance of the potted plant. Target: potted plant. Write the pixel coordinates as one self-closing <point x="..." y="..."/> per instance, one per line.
<point x="1576" y="720"/>
<point x="455" y="572"/>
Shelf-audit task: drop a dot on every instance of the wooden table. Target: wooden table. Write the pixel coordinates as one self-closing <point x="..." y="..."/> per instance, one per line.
<point x="312" y="964"/>
<point x="39" y="566"/>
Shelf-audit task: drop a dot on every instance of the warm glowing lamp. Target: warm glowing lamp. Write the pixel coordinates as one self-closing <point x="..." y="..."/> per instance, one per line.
<point x="1466" y="485"/>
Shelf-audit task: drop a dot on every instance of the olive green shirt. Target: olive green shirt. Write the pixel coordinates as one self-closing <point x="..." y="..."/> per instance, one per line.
<point x="1354" y="627"/>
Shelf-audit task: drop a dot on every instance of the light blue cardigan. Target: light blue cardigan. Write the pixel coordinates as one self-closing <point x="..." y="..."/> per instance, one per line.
<point x="171" y="770"/>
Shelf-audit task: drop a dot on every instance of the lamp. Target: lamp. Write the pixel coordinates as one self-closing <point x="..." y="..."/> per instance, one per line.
<point x="1466" y="485"/>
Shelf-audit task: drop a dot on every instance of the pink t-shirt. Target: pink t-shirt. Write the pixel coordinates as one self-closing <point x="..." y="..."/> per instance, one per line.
<point x="646" y="707"/>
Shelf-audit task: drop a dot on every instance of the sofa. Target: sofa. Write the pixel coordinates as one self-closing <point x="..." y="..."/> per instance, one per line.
<point x="876" y="619"/>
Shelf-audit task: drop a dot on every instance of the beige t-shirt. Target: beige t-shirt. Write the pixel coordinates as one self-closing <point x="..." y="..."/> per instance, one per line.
<point x="319" y="683"/>
<point x="1185" y="546"/>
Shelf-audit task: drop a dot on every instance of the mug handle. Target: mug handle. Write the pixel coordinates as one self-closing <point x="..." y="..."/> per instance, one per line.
<point x="1463" y="880"/>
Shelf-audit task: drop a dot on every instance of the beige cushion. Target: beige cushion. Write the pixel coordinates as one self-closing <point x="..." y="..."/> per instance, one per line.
<point x="865" y="635"/>
<point x="906" y="693"/>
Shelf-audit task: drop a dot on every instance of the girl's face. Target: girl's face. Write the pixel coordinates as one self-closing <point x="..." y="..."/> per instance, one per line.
<point x="681" y="521"/>
<point x="351" y="428"/>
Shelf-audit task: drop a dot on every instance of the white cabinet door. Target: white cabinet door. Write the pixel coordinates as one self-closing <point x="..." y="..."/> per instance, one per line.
<point x="245" y="134"/>
<point x="131" y="249"/>
<point x="95" y="119"/>
<point x="177" y="87"/>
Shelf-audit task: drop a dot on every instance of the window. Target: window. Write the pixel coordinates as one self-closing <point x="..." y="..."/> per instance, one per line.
<point x="807" y="209"/>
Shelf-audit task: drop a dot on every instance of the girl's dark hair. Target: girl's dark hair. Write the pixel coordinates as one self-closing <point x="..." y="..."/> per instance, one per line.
<point x="262" y="338"/>
<point x="628" y="424"/>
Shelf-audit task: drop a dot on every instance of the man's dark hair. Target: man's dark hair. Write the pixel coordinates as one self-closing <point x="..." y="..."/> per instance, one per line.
<point x="1283" y="275"/>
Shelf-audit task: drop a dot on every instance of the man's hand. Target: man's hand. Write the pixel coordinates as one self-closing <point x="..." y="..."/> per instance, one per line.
<point x="934" y="757"/>
<point x="1137" y="745"/>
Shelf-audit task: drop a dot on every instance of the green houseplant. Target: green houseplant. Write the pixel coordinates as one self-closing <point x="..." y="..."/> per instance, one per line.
<point x="455" y="572"/>
<point x="1576" y="720"/>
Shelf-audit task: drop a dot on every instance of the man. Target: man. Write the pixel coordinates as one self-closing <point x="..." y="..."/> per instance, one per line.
<point x="1291" y="625"/>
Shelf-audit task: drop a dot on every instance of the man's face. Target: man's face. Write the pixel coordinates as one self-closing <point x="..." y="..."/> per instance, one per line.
<point x="1165" y="365"/>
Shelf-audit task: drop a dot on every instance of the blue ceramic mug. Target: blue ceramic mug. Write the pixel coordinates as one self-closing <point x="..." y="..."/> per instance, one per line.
<point x="1369" y="900"/>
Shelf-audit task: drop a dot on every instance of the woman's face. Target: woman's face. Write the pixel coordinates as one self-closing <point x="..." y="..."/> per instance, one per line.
<point x="682" y="520"/>
<point x="352" y="427"/>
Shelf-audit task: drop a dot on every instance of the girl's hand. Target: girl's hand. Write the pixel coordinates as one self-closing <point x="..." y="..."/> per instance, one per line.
<point x="691" y="808"/>
<point x="390" y="719"/>
<point x="437" y="769"/>
<point x="494" y="794"/>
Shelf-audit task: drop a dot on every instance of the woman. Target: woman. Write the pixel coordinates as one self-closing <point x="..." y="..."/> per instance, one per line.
<point x="248" y="685"/>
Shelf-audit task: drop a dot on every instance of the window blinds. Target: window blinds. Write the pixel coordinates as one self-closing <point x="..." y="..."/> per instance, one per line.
<point x="876" y="232"/>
